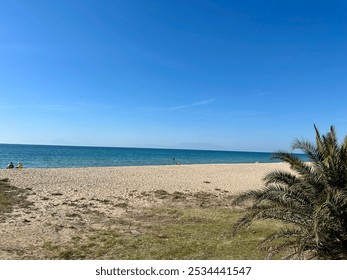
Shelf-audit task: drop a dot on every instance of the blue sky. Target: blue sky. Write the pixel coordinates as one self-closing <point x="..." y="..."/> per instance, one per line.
<point x="232" y="75"/>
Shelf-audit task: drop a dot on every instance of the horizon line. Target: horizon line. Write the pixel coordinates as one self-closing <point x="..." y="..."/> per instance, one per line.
<point x="134" y="147"/>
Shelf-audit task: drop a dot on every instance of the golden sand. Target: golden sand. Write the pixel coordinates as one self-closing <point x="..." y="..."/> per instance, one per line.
<point x="65" y="201"/>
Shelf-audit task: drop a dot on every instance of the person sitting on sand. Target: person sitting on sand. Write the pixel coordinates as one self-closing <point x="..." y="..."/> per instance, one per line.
<point x="20" y="165"/>
<point x="10" y="165"/>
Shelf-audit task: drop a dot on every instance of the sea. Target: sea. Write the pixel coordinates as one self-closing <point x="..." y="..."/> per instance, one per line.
<point x="47" y="156"/>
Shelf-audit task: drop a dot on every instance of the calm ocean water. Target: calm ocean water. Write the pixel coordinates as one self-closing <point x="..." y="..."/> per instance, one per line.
<point x="42" y="156"/>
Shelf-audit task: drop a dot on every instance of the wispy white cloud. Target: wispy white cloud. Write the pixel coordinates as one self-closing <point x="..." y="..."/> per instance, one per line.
<point x="195" y="104"/>
<point x="259" y="94"/>
<point x="263" y="94"/>
<point x="180" y="107"/>
<point x="258" y="27"/>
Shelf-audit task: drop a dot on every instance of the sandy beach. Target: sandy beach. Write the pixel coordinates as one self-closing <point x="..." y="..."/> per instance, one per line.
<point x="68" y="201"/>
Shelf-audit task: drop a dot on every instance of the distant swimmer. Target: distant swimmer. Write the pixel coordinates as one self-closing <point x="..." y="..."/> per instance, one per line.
<point x="20" y="165"/>
<point x="10" y="165"/>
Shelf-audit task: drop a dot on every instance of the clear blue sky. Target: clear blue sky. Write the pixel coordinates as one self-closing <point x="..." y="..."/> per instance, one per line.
<point x="235" y="75"/>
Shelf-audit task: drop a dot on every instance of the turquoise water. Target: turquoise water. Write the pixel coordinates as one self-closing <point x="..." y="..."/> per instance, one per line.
<point x="42" y="156"/>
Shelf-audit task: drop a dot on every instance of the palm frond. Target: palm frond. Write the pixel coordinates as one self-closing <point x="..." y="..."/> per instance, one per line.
<point x="308" y="148"/>
<point x="311" y="201"/>
<point x="281" y="177"/>
<point x="295" y="163"/>
<point x="319" y="141"/>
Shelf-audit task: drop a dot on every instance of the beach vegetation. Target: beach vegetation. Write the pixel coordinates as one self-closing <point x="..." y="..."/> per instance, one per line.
<point x="310" y="201"/>
<point x="10" y="197"/>
<point x="4" y="198"/>
<point x="165" y="233"/>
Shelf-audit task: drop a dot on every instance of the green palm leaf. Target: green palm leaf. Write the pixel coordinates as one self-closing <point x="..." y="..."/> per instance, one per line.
<point x="310" y="201"/>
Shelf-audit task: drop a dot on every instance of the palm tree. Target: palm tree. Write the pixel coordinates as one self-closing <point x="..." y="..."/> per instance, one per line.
<point x="311" y="201"/>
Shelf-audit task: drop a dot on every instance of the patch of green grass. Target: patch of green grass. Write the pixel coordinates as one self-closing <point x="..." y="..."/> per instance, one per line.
<point x="171" y="233"/>
<point x="11" y="196"/>
<point x="5" y="197"/>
